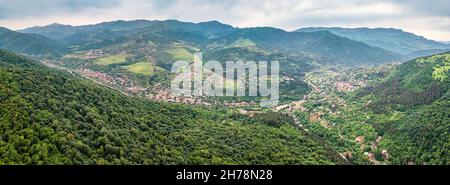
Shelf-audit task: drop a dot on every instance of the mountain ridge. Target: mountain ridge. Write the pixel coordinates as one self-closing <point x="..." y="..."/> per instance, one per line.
<point x="325" y="45"/>
<point x="322" y="43"/>
<point x="31" y="44"/>
<point x="420" y="90"/>
<point x="390" y="39"/>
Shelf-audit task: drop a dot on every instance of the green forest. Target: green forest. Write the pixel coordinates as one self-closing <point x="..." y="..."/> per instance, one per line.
<point x="53" y="117"/>
<point x="101" y="94"/>
<point x="422" y="135"/>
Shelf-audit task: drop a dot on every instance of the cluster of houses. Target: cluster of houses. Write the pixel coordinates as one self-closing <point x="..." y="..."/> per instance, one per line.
<point x="349" y="86"/>
<point x="122" y="82"/>
<point x="374" y="146"/>
<point x="344" y="86"/>
<point x="99" y="75"/>
<point x="166" y="96"/>
<point x="135" y="89"/>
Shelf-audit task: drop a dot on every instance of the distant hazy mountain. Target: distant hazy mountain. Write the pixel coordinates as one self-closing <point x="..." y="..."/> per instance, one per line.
<point x="172" y="30"/>
<point x="67" y="32"/>
<point x="394" y="40"/>
<point x="214" y="35"/>
<point x="60" y="32"/>
<point x="107" y="33"/>
<point x="53" y="31"/>
<point x="323" y="44"/>
<point x="217" y="36"/>
<point x="103" y="33"/>
<point x="31" y="44"/>
<point x="423" y="53"/>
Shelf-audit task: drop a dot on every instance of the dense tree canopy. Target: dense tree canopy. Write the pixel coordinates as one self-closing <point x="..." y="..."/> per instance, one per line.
<point x="51" y="117"/>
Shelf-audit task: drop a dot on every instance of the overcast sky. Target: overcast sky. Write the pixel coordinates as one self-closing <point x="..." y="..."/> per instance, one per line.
<point x="429" y="18"/>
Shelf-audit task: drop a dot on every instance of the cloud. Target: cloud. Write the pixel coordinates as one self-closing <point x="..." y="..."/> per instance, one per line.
<point x="426" y="7"/>
<point x="430" y="19"/>
<point x="17" y="9"/>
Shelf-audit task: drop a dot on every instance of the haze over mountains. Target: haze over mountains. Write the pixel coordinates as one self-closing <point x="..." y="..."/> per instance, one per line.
<point x="361" y="45"/>
<point x="100" y="94"/>
<point x="32" y="44"/>
<point x="204" y="35"/>
<point x="390" y="39"/>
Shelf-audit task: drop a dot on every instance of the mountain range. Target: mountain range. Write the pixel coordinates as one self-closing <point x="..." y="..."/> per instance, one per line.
<point x="32" y="44"/>
<point x="215" y="35"/>
<point x="341" y="45"/>
<point x="390" y="39"/>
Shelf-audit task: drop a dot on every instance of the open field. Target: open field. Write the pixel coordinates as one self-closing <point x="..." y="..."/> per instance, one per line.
<point x="143" y="68"/>
<point x="180" y="54"/>
<point x="114" y="59"/>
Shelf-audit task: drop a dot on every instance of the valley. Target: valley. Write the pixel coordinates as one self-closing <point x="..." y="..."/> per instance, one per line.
<point x="100" y="94"/>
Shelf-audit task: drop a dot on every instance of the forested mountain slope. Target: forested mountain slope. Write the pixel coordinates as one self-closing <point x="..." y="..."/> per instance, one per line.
<point x="51" y="117"/>
<point x="31" y="44"/>
<point x="416" y="97"/>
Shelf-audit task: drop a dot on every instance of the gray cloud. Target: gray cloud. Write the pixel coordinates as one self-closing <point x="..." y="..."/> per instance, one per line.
<point x="24" y="8"/>
<point x="427" y="7"/>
